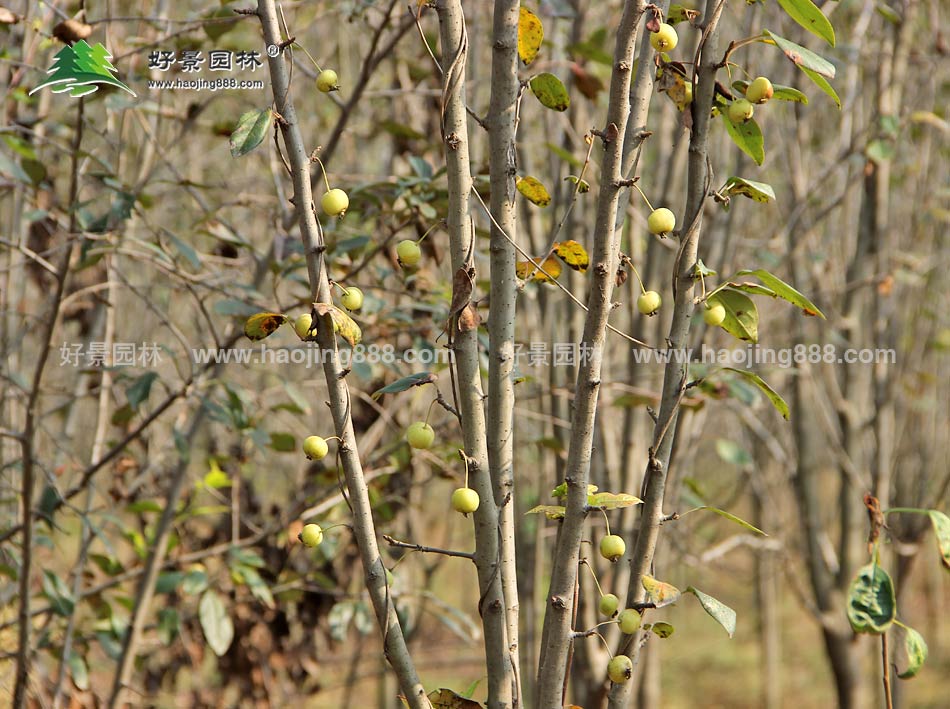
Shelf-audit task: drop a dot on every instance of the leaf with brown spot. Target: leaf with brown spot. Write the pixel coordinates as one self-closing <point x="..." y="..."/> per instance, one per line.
<point x="447" y="699"/>
<point x="530" y="35"/>
<point x="261" y="325"/>
<point x="573" y="254"/>
<point x="528" y="271"/>
<point x="533" y="190"/>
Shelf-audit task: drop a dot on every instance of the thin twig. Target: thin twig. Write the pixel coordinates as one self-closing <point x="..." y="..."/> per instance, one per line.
<point x="393" y="542"/>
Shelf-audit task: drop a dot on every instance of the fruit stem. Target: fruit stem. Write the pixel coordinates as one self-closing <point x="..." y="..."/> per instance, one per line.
<point x="635" y="273"/>
<point x="591" y="569"/>
<point x="429" y="412"/>
<point x="304" y="49"/>
<point x="606" y="519"/>
<point x="439" y="223"/>
<point x="644" y="197"/>
<point x="326" y="180"/>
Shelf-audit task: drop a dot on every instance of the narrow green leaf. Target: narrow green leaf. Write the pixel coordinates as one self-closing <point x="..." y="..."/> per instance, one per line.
<point x="78" y="671"/>
<point x="612" y="500"/>
<point x="803" y="58"/>
<point x="413" y="380"/>
<point x="915" y="648"/>
<point x="822" y="83"/>
<point x="748" y="136"/>
<point x="807" y="14"/>
<point x="215" y="622"/>
<point x="139" y="390"/>
<point x="719" y="611"/>
<point x="549" y="511"/>
<point x="773" y="396"/>
<point x="251" y="130"/>
<point x="871" y="601"/>
<point x="742" y="317"/>
<point x="550" y="92"/>
<point x="784" y="291"/>
<point x="732" y="518"/>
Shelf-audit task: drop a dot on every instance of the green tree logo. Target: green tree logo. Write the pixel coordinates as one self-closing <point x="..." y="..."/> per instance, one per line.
<point x="79" y="69"/>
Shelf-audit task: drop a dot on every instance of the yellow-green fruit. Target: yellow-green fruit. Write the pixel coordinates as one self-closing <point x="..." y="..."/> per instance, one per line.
<point x="741" y="110"/>
<point x="609" y="604"/>
<point x="352" y="299"/>
<point x="714" y="315"/>
<point x="409" y="252"/>
<point x="420" y="435"/>
<point x="326" y="81"/>
<point x="465" y="500"/>
<point x="612" y="547"/>
<point x="335" y="202"/>
<point x="620" y="669"/>
<point x="302" y="325"/>
<point x="760" y="90"/>
<point x="661" y="221"/>
<point x="664" y="39"/>
<point x="311" y="535"/>
<point x="629" y="621"/>
<point x="315" y="448"/>
<point x="649" y="302"/>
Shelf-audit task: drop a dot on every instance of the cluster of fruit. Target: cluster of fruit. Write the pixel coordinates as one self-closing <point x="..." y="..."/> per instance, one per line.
<point x="620" y="667"/>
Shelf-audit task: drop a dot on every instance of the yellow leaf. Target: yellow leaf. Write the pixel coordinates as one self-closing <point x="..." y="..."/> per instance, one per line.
<point x="533" y="190"/>
<point x="549" y="511"/>
<point x="530" y="35"/>
<point x="261" y="325"/>
<point x="447" y="699"/>
<point x="528" y="271"/>
<point x="660" y="592"/>
<point x="343" y="324"/>
<point x="574" y="254"/>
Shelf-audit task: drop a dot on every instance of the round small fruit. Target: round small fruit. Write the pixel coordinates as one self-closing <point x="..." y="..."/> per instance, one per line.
<point x="302" y="326"/>
<point x="741" y="110"/>
<point x="620" y="669"/>
<point x="629" y="621"/>
<point x="649" y="302"/>
<point x="311" y="535"/>
<point x="612" y="547"/>
<point x="714" y="314"/>
<point x="420" y="435"/>
<point x="609" y="604"/>
<point x="465" y="500"/>
<point x="661" y="221"/>
<point x="326" y="81"/>
<point x="315" y="448"/>
<point x="664" y="39"/>
<point x="760" y="90"/>
<point x="352" y="299"/>
<point x="409" y="252"/>
<point x="335" y="202"/>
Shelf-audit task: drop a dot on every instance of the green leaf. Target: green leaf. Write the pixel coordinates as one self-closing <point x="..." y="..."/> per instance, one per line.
<point x="533" y="190"/>
<point x="747" y="135"/>
<point x="58" y="594"/>
<point x="773" y="396"/>
<point x="215" y="622"/>
<point x="550" y="92"/>
<point x="807" y="14"/>
<point x="109" y="565"/>
<point x="784" y="291"/>
<point x="871" y="602"/>
<point x="759" y="191"/>
<point x="406" y="383"/>
<point x="822" y="83"/>
<point x="659" y="592"/>
<point x="742" y="317"/>
<point x="78" y="671"/>
<point x="662" y="629"/>
<point x="251" y="130"/>
<point x="732" y="452"/>
<point x="139" y="390"/>
<point x="283" y="442"/>
<point x="549" y="511"/>
<point x="720" y="612"/>
<point x="168" y="625"/>
<point x="612" y="500"/>
<point x="732" y="518"/>
<point x="941" y="525"/>
<point x="803" y="58"/>
<point x="915" y="648"/>
<point x="530" y="35"/>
